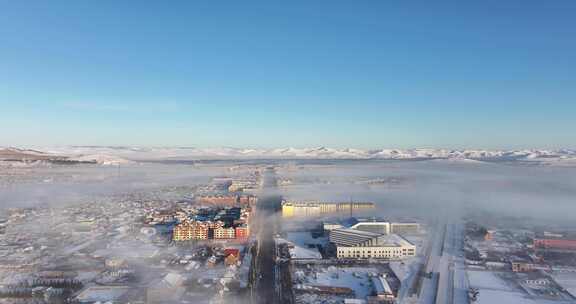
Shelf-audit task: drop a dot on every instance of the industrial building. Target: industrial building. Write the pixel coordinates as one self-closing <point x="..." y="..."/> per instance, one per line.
<point x="357" y="244"/>
<point x="555" y="243"/>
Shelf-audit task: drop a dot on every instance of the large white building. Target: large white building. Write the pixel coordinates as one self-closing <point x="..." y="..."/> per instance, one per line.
<point x="375" y="225"/>
<point x="358" y="244"/>
<point x="372" y="225"/>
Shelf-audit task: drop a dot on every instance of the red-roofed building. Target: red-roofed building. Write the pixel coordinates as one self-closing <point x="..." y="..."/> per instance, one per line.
<point x="229" y="251"/>
<point x="555" y="243"/>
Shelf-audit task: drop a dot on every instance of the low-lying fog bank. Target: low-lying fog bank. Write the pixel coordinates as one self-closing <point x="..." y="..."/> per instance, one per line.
<point x="398" y="187"/>
<point x="428" y="187"/>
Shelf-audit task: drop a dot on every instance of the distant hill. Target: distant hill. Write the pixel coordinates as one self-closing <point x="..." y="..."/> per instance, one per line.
<point x="15" y="154"/>
<point x="28" y="155"/>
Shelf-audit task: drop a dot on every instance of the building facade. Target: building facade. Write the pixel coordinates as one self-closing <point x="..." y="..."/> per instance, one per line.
<point x="224" y="233"/>
<point x="242" y="232"/>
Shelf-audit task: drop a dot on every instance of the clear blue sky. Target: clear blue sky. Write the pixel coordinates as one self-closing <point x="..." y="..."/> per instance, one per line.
<point x="366" y="74"/>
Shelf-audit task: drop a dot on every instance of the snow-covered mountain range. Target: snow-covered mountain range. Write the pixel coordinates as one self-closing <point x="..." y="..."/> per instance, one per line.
<point x="112" y="155"/>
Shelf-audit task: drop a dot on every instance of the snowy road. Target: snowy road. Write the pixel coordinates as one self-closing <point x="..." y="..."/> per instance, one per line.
<point x="430" y="284"/>
<point x="453" y="284"/>
<point x="266" y="284"/>
<point x="447" y="282"/>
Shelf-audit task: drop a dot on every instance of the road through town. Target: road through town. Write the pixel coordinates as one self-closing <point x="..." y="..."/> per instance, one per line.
<point x="265" y="222"/>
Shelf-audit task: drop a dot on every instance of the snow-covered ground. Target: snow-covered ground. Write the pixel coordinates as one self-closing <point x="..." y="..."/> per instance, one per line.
<point x="299" y="252"/>
<point x="567" y="280"/>
<point x="304" y="245"/>
<point x="494" y="289"/>
<point x="355" y="278"/>
<point x="102" y="159"/>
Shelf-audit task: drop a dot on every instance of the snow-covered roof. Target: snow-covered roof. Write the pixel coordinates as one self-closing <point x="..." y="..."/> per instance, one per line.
<point x="298" y="252"/>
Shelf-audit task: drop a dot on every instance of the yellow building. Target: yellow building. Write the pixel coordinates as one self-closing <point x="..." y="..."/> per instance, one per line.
<point x="287" y="210"/>
<point x="224" y="233"/>
<point x="184" y="232"/>
<point x="307" y="209"/>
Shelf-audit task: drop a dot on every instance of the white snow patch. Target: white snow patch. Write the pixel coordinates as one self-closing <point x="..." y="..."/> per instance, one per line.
<point x="102" y="159"/>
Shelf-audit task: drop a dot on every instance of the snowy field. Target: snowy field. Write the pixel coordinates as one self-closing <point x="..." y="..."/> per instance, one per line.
<point x="495" y="290"/>
<point x="567" y="281"/>
<point x="355" y="278"/>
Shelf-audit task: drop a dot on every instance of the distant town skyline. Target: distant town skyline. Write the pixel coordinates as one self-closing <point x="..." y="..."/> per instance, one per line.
<point x="299" y="74"/>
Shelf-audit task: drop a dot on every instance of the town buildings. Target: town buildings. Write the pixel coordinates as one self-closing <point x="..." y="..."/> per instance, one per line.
<point x="244" y="185"/>
<point x="214" y="223"/>
<point x="224" y="233"/>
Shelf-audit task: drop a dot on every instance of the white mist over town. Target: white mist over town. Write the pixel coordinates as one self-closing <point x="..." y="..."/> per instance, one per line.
<point x="288" y="152"/>
<point x="98" y="225"/>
